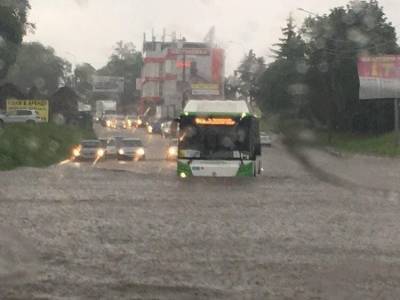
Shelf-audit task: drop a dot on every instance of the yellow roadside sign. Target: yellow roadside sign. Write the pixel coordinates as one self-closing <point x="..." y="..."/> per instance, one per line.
<point x="41" y="106"/>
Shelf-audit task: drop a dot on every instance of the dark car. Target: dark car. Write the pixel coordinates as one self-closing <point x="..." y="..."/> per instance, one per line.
<point x="154" y="127"/>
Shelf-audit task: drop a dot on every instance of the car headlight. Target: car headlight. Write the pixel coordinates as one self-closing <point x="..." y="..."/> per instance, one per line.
<point x="100" y="153"/>
<point x="150" y="129"/>
<point x="139" y="122"/>
<point x="140" y="151"/>
<point x="76" y="152"/>
<point x="172" y="151"/>
<point x="121" y="151"/>
<point x="108" y="123"/>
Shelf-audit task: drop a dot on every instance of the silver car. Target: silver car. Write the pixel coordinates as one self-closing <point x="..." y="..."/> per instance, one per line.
<point x="131" y="148"/>
<point x="89" y="150"/>
<point x="20" y="116"/>
<point x="265" y="139"/>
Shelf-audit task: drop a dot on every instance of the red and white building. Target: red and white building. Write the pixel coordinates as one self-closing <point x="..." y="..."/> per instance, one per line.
<point x="176" y="71"/>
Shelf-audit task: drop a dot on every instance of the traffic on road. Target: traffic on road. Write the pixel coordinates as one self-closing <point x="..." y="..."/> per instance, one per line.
<point x="204" y="149"/>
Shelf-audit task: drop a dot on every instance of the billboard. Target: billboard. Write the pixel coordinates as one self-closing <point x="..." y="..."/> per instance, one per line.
<point x="379" y="77"/>
<point x="41" y="106"/>
<point x="108" y="84"/>
<point x="204" y="69"/>
<point x="205" y="89"/>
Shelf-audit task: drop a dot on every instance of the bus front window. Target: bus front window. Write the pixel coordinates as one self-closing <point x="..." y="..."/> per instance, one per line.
<point x="215" y="142"/>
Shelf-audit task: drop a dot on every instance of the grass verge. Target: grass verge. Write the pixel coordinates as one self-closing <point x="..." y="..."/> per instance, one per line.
<point x="38" y="145"/>
<point x="381" y="145"/>
<point x="300" y="132"/>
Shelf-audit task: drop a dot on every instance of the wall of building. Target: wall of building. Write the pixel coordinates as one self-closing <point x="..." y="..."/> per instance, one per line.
<point x="173" y="72"/>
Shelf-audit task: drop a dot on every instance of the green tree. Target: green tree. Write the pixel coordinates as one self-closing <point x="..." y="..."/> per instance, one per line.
<point x="281" y="87"/>
<point x="13" y="26"/>
<point x="83" y="78"/>
<point x="291" y="46"/>
<point x="38" y="66"/>
<point x="335" y="42"/>
<point x="249" y="71"/>
<point x="125" y="62"/>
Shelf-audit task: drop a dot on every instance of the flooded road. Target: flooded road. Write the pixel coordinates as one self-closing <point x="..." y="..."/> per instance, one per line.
<point x="134" y="230"/>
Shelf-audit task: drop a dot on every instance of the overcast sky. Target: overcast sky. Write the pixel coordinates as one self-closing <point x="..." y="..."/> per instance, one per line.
<point x="86" y="30"/>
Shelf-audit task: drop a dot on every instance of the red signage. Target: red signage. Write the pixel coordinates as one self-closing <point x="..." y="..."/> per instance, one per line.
<point x="180" y="64"/>
<point x="379" y="67"/>
<point x="217" y="65"/>
<point x="379" y="77"/>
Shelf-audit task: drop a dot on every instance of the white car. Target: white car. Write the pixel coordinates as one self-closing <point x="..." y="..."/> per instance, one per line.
<point x="265" y="139"/>
<point x="89" y="150"/>
<point x="131" y="148"/>
<point x="20" y="116"/>
<point x="166" y="129"/>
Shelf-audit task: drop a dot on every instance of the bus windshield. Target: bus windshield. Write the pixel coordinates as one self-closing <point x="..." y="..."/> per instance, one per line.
<point x="228" y="142"/>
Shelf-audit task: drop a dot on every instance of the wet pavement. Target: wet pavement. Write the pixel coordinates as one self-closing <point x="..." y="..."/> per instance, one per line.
<point x="133" y="230"/>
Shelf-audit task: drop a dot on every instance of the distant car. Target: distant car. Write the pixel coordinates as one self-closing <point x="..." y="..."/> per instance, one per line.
<point x="265" y="139"/>
<point x="154" y="127"/>
<point x="106" y="118"/>
<point x="109" y="121"/>
<point x="20" y="116"/>
<point x="119" y="122"/>
<point x="131" y="148"/>
<point x="166" y="129"/>
<point x="89" y="150"/>
<point x="140" y="123"/>
<point x="110" y="147"/>
<point x="172" y="151"/>
<point x="129" y="122"/>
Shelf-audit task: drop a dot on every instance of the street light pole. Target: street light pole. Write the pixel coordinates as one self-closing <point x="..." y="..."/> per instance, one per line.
<point x="307" y="11"/>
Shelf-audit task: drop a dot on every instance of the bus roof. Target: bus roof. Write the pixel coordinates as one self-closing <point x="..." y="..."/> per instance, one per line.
<point x="231" y="107"/>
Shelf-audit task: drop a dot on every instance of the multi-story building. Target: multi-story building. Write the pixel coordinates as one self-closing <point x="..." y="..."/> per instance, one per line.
<point x="176" y="71"/>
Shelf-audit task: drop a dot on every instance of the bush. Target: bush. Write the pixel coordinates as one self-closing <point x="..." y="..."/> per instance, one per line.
<point x="37" y="145"/>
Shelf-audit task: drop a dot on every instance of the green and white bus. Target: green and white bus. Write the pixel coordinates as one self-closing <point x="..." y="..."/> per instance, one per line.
<point x="218" y="138"/>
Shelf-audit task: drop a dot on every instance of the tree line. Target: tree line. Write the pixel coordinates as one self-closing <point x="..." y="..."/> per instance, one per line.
<point x="314" y="74"/>
<point x="37" y="71"/>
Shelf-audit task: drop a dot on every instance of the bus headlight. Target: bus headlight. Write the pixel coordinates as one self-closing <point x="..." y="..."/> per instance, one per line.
<point x="140" y="151"/>
<point x="100" y="153"/>
<point x="121" y="151"/>
<point x="172" y="151"/>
